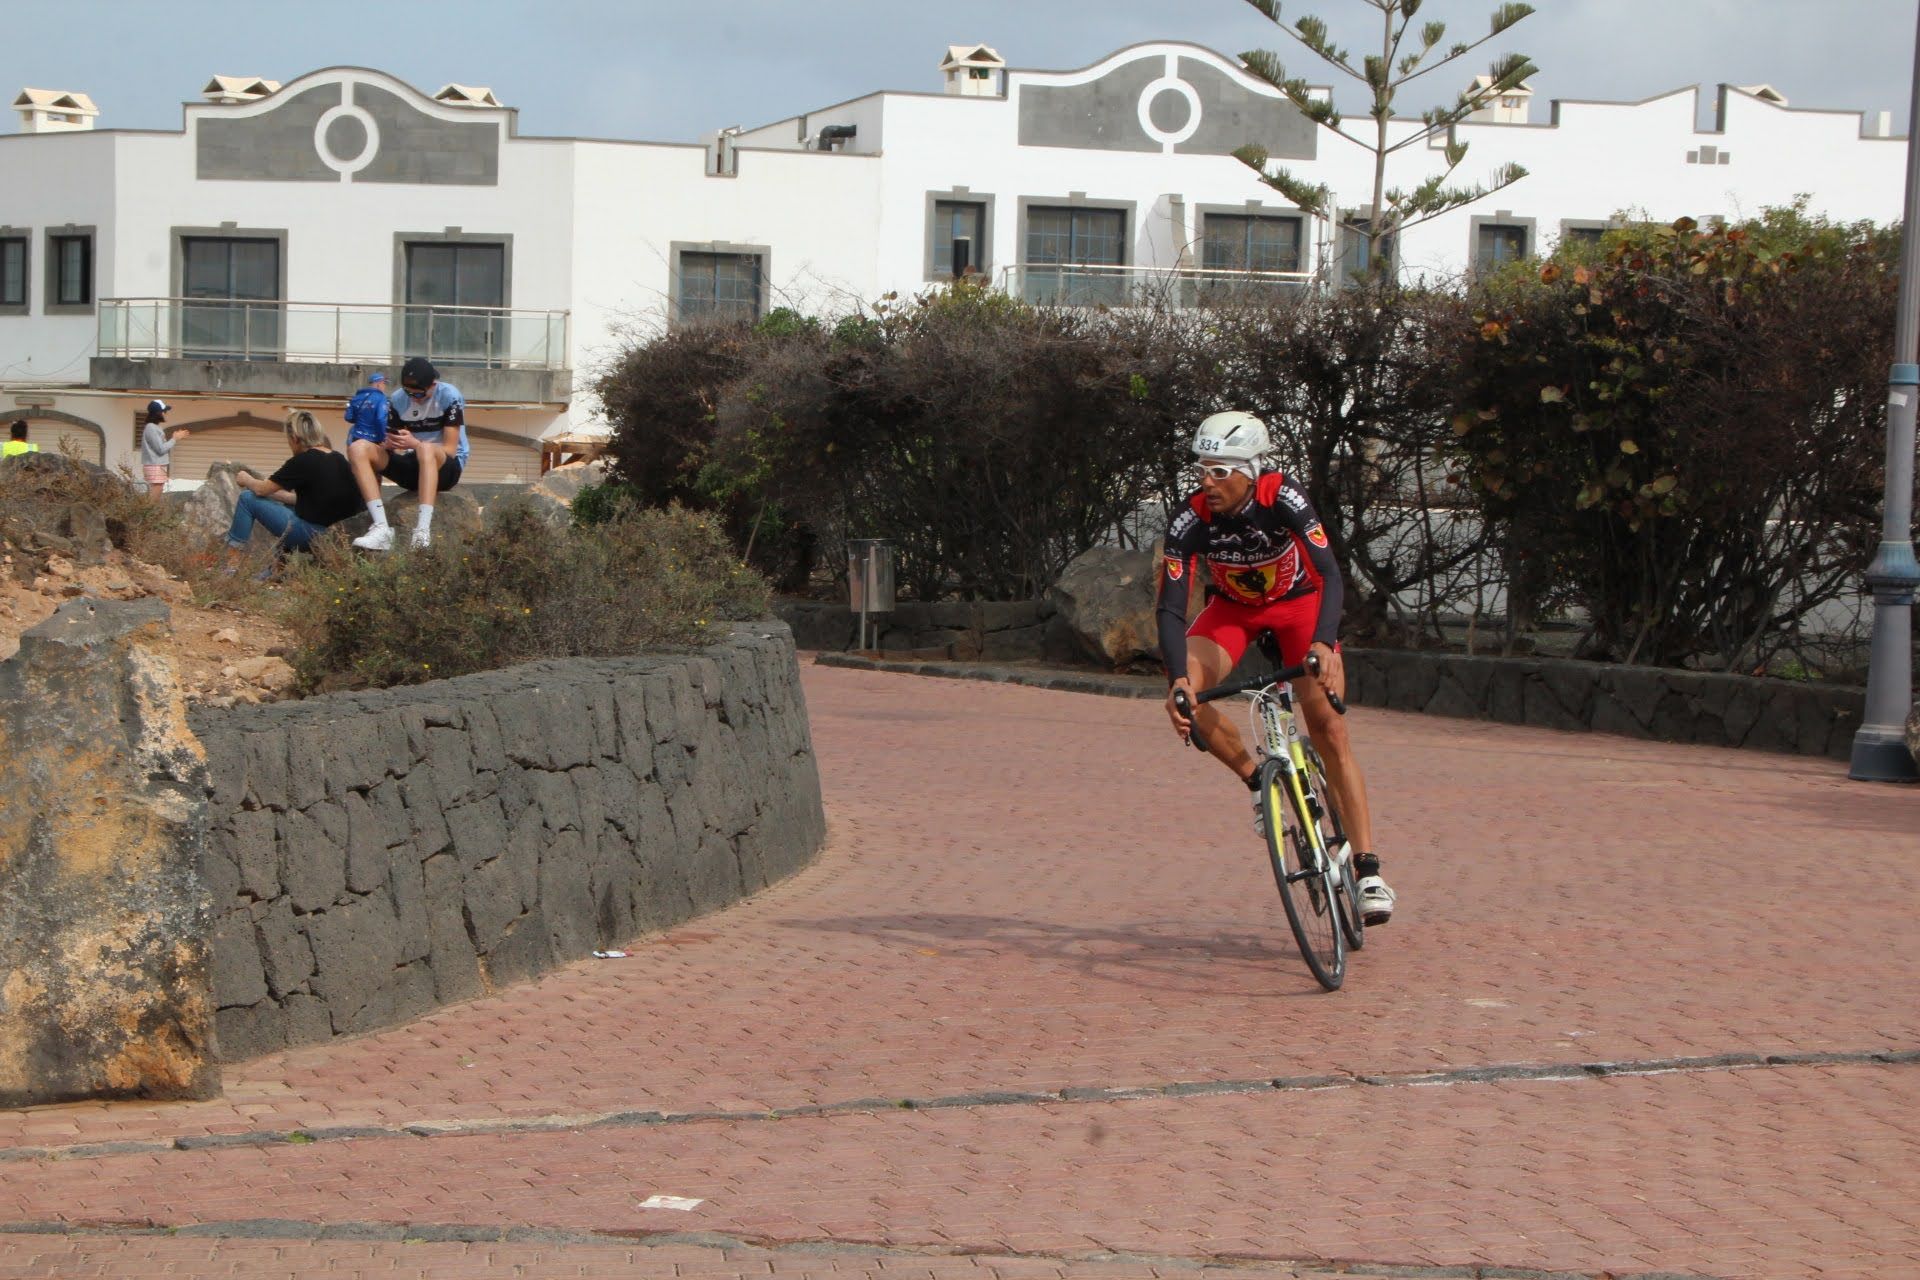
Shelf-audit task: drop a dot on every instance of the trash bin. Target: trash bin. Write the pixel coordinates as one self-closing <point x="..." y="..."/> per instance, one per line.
<point x="869" y="579"/>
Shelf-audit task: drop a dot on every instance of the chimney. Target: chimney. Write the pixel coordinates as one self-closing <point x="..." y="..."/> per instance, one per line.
<point x="466" y="95"/>
<point x="230" y="90"/>
<point x="1504" y="108"/>
<point x="973" y="71"/>
<point x="54" y="111"/>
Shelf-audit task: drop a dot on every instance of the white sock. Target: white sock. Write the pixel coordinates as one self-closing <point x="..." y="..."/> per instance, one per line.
<point x="378" y="510"/>
<point x="426" y="518"/>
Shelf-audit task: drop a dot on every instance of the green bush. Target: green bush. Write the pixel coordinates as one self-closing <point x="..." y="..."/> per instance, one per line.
<point x="1683" y="435"/>
<point x="523" y="588"/>
<point x="599" y="503"/>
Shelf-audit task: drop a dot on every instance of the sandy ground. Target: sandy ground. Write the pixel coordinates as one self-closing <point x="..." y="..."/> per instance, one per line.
<point x="222" y="655"/>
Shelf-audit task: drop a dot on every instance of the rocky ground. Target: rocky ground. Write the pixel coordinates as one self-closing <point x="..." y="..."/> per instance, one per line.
<point x="222" y="654"/>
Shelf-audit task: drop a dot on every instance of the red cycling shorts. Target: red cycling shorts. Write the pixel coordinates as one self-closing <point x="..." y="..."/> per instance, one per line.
<point x="1233" y="626"/>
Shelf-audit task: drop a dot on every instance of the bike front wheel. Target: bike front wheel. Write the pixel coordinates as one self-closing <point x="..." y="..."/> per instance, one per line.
<point x="1306" y="878"/>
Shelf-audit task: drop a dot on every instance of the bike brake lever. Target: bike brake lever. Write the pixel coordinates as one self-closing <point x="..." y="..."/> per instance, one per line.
<point x="1185" y="704"/>
<point x="1333" y="699"/>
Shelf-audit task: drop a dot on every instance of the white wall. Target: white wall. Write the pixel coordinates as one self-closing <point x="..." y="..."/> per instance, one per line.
<point x="51" y="180"/>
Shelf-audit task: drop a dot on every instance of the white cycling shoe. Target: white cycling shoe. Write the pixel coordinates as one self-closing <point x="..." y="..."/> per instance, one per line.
<point x="1376" y="901"/>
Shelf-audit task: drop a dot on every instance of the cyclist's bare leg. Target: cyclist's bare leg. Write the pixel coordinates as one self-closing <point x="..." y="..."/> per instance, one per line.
<point x="1208" y="665"/>
<point x="1328" y="731"/>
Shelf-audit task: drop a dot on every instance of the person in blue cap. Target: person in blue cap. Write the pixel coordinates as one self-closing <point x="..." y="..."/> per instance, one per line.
<point x="368" y="412"/>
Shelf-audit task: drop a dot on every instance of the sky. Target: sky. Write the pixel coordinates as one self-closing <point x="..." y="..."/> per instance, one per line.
<point x="664" y="70"/>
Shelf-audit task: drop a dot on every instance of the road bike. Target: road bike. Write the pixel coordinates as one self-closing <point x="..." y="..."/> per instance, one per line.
<point x="1309" y="852"/>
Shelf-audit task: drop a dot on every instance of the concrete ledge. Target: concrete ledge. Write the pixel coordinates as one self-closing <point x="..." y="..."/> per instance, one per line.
<point x="372" y="856"/>
<point x="305" y="378"/>
<point x="1636" y="702"/>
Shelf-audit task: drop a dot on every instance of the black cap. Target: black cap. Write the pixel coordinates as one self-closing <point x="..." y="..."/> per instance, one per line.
<point x="157" y="408"/>
<point x="418" y="372"/>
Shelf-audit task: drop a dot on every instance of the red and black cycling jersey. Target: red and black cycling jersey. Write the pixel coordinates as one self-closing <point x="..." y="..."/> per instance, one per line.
<point x="1274" y="548"/>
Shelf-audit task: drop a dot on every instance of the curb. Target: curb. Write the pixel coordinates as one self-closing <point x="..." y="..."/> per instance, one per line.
<point x="1111" y="686"/>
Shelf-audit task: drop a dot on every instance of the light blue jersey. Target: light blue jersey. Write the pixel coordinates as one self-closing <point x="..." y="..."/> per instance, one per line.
<point x="432" y="417"/>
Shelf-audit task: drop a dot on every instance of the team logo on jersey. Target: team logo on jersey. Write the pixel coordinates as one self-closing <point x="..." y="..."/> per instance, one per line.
<point x="1248" y="584"/>
<point x="1175" y="567"/>
<point x="1317" y="535"/>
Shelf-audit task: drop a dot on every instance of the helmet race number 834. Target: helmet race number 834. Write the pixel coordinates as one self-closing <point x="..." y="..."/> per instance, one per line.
<point x="1231" y="437"/>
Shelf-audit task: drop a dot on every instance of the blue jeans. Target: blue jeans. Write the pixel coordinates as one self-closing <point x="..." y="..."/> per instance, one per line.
<point x="276" y="518"/>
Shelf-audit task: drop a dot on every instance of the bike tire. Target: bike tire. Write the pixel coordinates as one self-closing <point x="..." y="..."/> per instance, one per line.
<point x="1306" y="892"/>
<point x="1347" y="884"/>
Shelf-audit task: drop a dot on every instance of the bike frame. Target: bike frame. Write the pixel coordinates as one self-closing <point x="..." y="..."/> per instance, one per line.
<point x="1278" y="737"/>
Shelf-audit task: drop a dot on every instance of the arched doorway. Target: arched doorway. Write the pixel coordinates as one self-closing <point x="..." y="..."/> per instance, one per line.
<point x="57" y="432"/>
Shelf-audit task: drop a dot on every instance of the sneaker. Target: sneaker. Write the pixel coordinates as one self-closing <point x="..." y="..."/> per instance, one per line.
<point x="421" y="539"/>
<point x="378" y="538"/>
<point x="1376" y="901"/>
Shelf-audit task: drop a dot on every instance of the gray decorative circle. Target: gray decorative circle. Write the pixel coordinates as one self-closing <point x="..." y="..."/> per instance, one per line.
<point x="322" y="139"/>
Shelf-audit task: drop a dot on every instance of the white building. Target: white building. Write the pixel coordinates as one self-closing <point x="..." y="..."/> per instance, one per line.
<point x="282" y="244"/>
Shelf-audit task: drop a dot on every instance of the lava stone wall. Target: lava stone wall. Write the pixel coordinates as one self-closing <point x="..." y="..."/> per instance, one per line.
<point x="372" y="856"/>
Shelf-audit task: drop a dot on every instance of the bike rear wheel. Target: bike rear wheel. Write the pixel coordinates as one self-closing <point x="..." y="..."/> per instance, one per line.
<point x="1346" y="883"/>
<point x="1306" y="880"/>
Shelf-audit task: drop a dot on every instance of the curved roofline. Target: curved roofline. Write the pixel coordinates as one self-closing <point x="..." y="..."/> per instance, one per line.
<point x="326" y="75"/>
<point x="1132" y="52"/>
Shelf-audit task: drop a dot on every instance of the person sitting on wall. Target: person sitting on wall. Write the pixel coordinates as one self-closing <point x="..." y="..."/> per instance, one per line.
<point x="416" y="454"/>
<point x="368" y="412"/>
<point x="17" y="442"/>
<point x="156" y="447"/>
<point x="313" y="490"/>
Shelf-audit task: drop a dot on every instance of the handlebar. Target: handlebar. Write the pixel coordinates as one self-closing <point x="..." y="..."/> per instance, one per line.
<point x="1227" y="689"/>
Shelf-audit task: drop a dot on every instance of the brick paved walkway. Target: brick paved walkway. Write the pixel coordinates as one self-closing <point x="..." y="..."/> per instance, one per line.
<point x="1033" y="908"/>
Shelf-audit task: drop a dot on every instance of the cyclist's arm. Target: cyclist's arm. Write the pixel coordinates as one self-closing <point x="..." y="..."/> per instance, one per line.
<point x="1175" y="588"/>
<point x="1296" y="510"/>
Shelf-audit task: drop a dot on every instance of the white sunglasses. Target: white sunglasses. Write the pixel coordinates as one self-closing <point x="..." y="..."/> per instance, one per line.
<point x="1219" y="470"/>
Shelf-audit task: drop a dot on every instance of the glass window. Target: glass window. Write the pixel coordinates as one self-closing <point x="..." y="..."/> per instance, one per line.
<point x="1583" y="235"/>
<point x="13" y="271"/>
<point x="1059" y="240"/>
<point x="1253" y="243"/>
<point x="225" y="281"/>
<point x="72" y="271"/>
<point x="454" y="294"/>
<point x="953" y="221"/>
<point x="1354" y="259"/>
<point x="720" y="284"/>
<point x="1498" y="243"/>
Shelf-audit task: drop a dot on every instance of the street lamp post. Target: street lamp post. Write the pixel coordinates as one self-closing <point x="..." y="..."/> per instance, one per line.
<point x="1880" y="747"/>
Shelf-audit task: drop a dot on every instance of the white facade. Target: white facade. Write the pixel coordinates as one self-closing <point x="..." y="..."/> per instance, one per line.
<point x="356" y="177"/>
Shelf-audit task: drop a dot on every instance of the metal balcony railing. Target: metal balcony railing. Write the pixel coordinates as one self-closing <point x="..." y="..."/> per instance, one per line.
<point x="1081" y="285"/>
<point x="331" y="332"/>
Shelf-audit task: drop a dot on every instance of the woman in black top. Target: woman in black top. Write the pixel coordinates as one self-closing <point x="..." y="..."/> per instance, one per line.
<point x="313" y="490"/>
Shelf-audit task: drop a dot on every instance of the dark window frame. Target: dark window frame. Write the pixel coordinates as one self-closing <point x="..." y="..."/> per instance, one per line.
<point x="24" y="239"/>
<point x="1501" y="221"/>
<point x="54" y="302"/>
<point x="684" y="252"/>
<point x="475" y="341"/>
<point x="983" y="237"/>
<point x="268" y="318"/>
<point x="1351" y="240"/>
<point x="1249" y="221"/>
<point x="1055" y="283"/>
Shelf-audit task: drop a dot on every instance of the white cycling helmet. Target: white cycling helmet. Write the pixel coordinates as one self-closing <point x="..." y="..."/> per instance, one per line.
<point x="1232" y="437"/>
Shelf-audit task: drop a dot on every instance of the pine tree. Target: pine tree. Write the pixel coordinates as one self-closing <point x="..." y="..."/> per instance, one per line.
<point x="1403" y="57"/>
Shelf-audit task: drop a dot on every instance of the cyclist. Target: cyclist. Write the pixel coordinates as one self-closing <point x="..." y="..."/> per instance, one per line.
<point x="1269" y="567"/>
